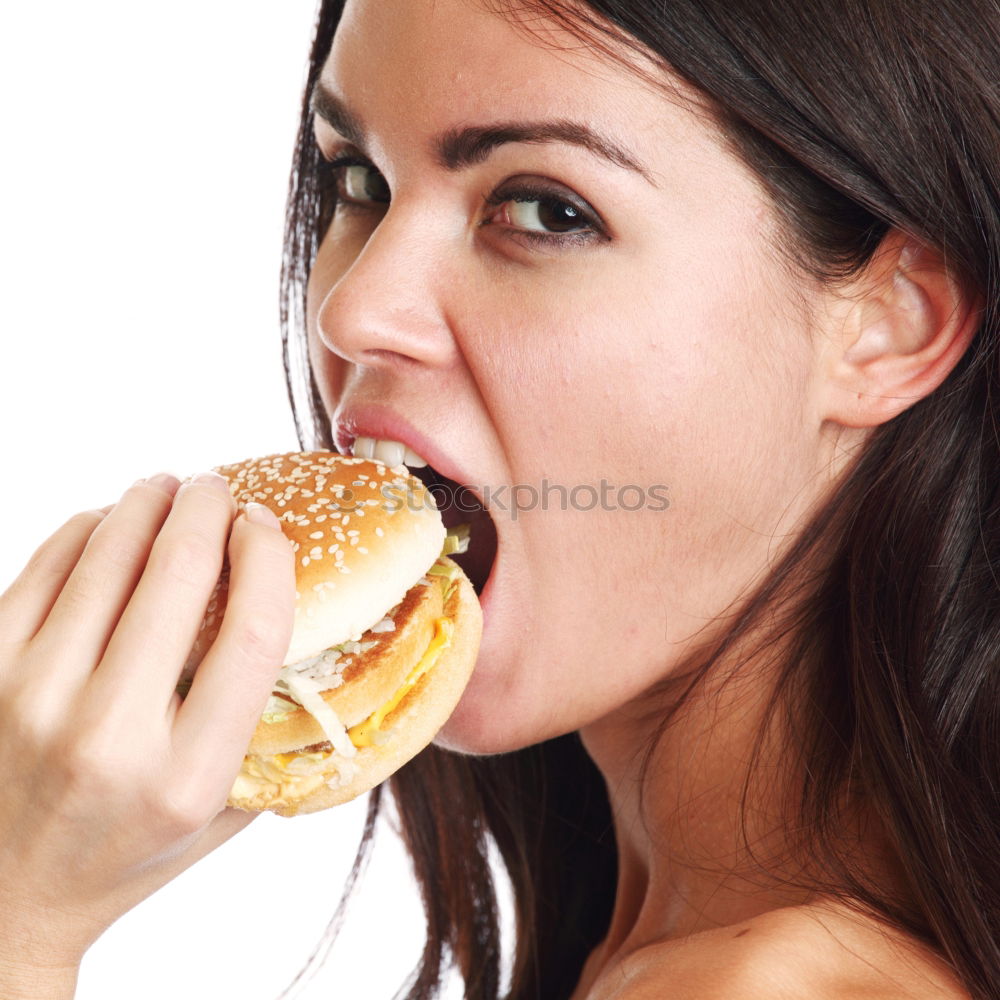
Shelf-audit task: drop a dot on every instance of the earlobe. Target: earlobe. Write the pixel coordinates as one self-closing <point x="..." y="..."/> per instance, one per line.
<point x="907" y="324"/>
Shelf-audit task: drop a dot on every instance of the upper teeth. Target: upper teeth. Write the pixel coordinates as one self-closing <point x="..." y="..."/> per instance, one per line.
<point x="390" y="452"/>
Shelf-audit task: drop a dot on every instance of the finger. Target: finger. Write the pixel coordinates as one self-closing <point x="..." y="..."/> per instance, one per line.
<point x="214" y="724"/>
<point x="27" y="602"/>
<point x="157" y="629"/>
<point x="75" y="634"/>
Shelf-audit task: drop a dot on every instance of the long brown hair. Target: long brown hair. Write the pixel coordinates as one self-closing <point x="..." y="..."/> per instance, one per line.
<point x="858" y="116"/>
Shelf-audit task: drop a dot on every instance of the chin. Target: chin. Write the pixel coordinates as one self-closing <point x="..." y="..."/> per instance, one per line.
<point x="478" y="727"/>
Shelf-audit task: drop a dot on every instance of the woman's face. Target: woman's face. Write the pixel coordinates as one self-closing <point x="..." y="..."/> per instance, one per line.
<point x="649" y="368"/>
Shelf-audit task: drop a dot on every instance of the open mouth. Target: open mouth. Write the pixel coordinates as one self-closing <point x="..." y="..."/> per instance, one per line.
<point x="459" y="505"/>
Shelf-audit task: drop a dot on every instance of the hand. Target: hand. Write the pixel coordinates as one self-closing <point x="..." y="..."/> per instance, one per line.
<point x="112" y="784"/>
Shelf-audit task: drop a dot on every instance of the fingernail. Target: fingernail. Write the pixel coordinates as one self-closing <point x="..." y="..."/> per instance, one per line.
<point x="257" y="513"/>
<point x="211" y="479"/>
<point x="165" y="481"/>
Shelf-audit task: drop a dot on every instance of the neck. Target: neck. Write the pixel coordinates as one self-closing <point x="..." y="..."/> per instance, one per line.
<point x="684" y="865"/>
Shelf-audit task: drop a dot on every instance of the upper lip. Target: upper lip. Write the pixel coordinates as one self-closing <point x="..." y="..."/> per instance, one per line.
<point x="378" y="421"/>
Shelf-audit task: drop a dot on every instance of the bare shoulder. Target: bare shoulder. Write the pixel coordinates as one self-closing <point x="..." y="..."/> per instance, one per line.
<point x="817" y="951"/>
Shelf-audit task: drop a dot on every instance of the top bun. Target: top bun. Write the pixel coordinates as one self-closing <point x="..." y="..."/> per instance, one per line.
<point x="363" y="534"/>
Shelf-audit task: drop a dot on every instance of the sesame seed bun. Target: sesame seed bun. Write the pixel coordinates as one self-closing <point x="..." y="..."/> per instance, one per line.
<point x="370" y="579"/>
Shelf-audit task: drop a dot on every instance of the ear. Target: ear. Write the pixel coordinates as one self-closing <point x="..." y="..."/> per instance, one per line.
<point x="900" y="332"/>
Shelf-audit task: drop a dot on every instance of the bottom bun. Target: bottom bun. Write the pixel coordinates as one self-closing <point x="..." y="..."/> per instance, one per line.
<point x="408" y="728"/>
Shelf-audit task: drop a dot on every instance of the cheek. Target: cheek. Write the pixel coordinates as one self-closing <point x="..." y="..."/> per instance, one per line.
<point x="677" y="373"/>
<point x="644" y="369"/>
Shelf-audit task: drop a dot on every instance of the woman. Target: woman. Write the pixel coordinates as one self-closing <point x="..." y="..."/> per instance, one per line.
<point x="741" y="743"/>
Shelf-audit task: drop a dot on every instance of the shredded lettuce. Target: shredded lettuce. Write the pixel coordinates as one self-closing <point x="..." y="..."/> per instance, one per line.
<point x="447" y="574"/>
<point x="308" y="693"/>
<point x="457" y="540"/>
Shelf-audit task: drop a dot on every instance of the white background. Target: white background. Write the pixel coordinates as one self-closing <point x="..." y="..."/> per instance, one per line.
<point x="142" y="193"/>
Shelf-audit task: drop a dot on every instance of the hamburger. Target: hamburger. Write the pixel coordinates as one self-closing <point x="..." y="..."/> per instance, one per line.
<point x="385" y="635"/>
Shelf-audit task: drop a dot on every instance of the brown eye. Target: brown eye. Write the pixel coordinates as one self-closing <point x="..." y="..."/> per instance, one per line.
<point x="359" y="182"/>
<point x="545" y="215"/>
<point x="356" y="181"/>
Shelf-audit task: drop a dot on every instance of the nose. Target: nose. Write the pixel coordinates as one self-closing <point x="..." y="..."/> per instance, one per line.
<point x="386" y="305"/>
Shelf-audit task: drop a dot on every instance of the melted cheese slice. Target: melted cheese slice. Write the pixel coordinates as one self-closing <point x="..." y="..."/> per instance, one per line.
<point x="363" y="734"/>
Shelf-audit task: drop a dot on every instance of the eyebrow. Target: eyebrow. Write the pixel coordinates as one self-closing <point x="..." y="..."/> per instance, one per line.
<point x="461" y="147"/>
